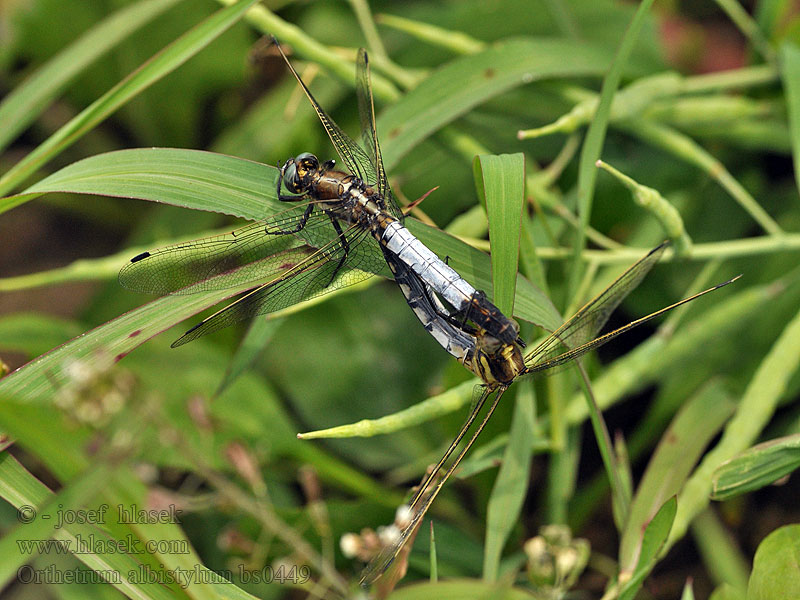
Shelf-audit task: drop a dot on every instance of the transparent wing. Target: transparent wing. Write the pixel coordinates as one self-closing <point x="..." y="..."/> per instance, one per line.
<point x="316" y="274"/>
<point x="251" y="253"/>
<point x="584" y="324"/>
<point x="430" y="489"/>
<point x="570" y="355"/>
<point x="352" y="155"/>
<point x="366" y="111"/>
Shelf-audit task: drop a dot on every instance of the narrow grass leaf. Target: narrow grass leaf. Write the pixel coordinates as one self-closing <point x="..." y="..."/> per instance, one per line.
<point x="682" y="444"/>
<point x="433" y="407"/>
<point x="28" y="100"/>
<point x="162" y="63"/>
<point x="434" y="562"/>
<point x="258" y="335"/>
<point x="720" y="553"/>
<point x="501" y="184"/>
<point x="688" y="591"/>
<point x="468" y="81"/>
<point x="596" y="135"/>
<point x="653" y="540"/>
<point x="790" y="75"/>
<point x="31" y="497"/>
<point x="511" y="484"/>
<point x="757" y="406"/>
<point x="186" y="178"/>
<point x="756" y="467"/>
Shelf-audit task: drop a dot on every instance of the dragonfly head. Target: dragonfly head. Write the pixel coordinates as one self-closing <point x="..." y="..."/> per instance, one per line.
<point x="496" y="362"/>
<point x="298" y="172"/>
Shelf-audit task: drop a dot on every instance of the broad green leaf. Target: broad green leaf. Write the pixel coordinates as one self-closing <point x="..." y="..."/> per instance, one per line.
<point x="756" y="467"/>
<point x="468" y="81"/>
<point x="501" y="184"/>
<point x="162" y="63"/>
<point x="776" y="567"/>
<point x="27" y="101"/>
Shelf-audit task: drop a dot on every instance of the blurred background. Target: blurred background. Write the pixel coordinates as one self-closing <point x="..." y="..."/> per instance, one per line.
<point x="362" y="355"/>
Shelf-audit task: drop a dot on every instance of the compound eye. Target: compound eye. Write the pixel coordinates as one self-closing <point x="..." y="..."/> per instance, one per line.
<point x="308" y="161"/>
<point x="290" y="179"/>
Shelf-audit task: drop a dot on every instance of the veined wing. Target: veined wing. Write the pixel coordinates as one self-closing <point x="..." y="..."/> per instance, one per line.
<point x="369" y="134"/>
<point x="357" y="161"/>
<point x="584" y="324"/>
<point x="321" y="271"/>
<point x="431" y="488"/>
<point x="553" y="362"/>
<point x="252" y="253"/>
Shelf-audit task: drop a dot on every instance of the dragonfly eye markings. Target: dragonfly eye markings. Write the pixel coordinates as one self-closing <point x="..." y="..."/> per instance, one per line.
<point x="299" y="171"/>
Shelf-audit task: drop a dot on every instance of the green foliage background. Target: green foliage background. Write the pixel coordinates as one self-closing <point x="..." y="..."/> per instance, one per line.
<point x="212" y="427"/>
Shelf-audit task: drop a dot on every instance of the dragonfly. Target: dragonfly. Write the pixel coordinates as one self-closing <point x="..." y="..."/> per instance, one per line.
<point x="500" y="364"/>
<point x="348" y="222"/>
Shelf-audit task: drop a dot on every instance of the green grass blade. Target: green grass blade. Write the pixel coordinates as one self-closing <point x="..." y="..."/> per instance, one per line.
<point x="185" y="178"/>
<point x="756" y="467"/>
<point x="27" y="101"/>
<point x="21" y="489"/>
<point x="511" y="485"/>
<point x="757" y="406"/>
<point x="161" y="64"/>
<point x="596" y="135"/>
<point x="790" y="74"/>
<point x="468" y="81"/>
<point x="654" y="538"/>
<point x="680" y="448"/>
<point x="501" y="184"/>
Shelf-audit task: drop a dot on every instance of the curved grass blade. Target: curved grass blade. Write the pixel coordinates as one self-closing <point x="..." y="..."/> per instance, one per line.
<point x="468" y="81"/>
<point x="220" y="183"/>
<point x="27" y="101"/>
<point x="162" y="63"/>
<point x="187" y="178"/>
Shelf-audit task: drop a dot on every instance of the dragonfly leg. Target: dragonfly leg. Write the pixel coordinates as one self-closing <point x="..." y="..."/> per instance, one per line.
<point x="299" y="227"/>
<point x="345" y="247"/>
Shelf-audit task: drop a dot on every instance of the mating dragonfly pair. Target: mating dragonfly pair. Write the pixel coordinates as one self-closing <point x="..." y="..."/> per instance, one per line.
<point x="349" y="225"/>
